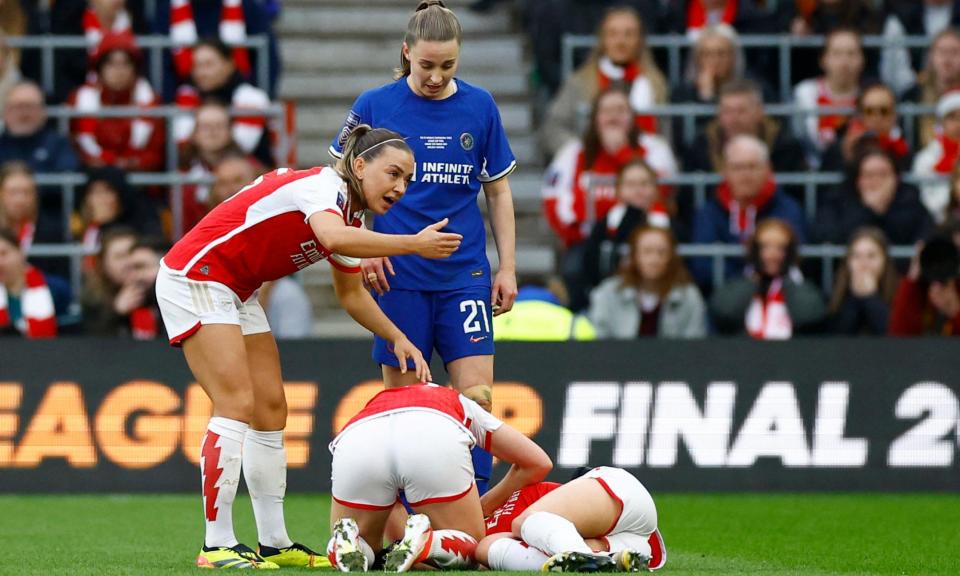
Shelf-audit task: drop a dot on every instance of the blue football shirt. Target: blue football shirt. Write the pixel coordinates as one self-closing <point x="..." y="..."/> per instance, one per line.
<point x="459" y="143"/>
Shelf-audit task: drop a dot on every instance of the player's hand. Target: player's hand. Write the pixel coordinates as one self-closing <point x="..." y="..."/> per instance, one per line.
<point x="432" y="243"/>
<point x="404" y="349"/>
<point x="504" y="292"/>
<point x="374" y="274"/>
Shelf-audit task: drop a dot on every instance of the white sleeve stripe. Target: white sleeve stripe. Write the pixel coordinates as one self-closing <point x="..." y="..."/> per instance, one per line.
<point x="495" y="177"/>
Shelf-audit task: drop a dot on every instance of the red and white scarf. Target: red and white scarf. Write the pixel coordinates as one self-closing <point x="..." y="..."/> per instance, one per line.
<point x="25" y="234"/>
<point x="93" y="28"/>
<point x="183" y="32"/>
<point x="951" y="153"/>
<point x="828" y="126"/>
<point x="743" y="217"/>
<point x="641" y="91"/>
<point x="768" y="317"/>
<point x="143" y="323"/>
<point x="36" y="304"/>
<point x="697" y="16"/>
<point x="89" y="99"/>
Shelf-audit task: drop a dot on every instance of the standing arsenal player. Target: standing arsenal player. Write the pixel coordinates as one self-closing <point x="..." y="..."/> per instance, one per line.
<point x="207" y="291"/>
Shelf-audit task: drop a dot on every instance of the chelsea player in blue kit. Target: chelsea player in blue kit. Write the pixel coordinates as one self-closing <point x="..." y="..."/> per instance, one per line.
<point x="455" y="131"/>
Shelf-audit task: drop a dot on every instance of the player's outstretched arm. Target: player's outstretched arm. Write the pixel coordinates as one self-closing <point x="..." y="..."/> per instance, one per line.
<point x="528" y="464"/>
<point x="339" y="238"/>
<point x="360" y="305"/>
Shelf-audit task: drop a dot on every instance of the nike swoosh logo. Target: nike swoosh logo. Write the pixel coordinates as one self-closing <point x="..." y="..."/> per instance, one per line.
<point x="475" y="339"/>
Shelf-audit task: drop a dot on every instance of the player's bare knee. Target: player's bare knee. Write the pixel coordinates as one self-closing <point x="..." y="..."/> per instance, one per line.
<point x="482" y="394"/>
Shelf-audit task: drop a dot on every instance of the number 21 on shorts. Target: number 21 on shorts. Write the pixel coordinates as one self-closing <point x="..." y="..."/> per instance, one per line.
<point x="472" y="309"/>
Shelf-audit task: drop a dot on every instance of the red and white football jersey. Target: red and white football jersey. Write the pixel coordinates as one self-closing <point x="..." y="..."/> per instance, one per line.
<point x="261" y="233"/>
<point x="479" y="423"/>
<point x="501" y="519"/>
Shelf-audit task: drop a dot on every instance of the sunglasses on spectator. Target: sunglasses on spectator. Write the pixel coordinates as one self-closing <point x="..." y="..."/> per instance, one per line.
<point x="877" y="110"/>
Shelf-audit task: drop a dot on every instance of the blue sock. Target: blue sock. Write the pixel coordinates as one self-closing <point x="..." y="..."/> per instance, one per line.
<point x="482" y="468"/>
<point x="406" y="505"/>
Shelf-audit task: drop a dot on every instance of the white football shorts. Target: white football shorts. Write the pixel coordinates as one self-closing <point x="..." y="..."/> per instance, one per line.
<point x="638" y="514"/>
<point x="425" y="454"/>
<point x="186" y="304"/>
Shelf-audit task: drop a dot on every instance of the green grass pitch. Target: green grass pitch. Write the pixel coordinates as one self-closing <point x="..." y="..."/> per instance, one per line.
<point x="705" y="533"/>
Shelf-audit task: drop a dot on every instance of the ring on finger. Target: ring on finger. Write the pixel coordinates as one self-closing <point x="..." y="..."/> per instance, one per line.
<point x="372" y="276"/>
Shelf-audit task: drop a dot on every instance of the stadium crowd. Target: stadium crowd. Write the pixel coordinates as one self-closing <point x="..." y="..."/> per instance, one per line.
<point x="610" y="156"/>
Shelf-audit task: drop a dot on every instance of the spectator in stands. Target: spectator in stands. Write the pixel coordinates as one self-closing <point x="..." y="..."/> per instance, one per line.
<point x="580" y="182"/>
<point x="26" y="303"/>
<point x="940" y="156"/>
<point x="93" y="19"/>
<point x="210" y="143"/>
<point x="691" y="17"/>
<point x="542" y="315"/>
<point x="941" y="75"/>
<point x="215" y="78"/>
<point x="621" y="55"/>
<point x="874" y="125"/>
<point x="830" y="15"/>
<point x="740" y="112"/>
<point x="26" y="137"/>
<point x="717" y="59"/>
<point x="842" y="63"/>
<point x="928" y="303"/>
<point x="128" y="143"/>
<point x="953" y="209"/>
<point x="579" y="187"/>
<point x="639" y="203"/>
<point x="118" y="297"/>
<point x="899" y="64"/>
<point x="772" y="302"/>
<point x="9" y="69"/>
<point x="230" y="21"/>
<point x="874" y="196"/>
<point x="20" y="213"/>
<point x="653" y="295"/>
<point x="864" y="288"/>
<point x="231" y="174"/>
<point x="747" y="196"/>
<point x="108" y="201"/>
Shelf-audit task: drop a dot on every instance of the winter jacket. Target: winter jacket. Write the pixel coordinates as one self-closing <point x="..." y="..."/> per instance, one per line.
<point x="729" y="304"/>
<point x="615" y="313"/>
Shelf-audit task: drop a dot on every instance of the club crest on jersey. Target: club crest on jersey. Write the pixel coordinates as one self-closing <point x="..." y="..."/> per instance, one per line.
<point x="466" y="141"/>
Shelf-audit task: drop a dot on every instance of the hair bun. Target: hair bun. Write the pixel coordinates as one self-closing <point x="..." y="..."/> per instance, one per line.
<point x="428" y="3"/>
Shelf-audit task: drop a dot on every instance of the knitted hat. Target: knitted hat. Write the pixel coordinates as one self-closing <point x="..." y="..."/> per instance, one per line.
<point x="948" y="103"/>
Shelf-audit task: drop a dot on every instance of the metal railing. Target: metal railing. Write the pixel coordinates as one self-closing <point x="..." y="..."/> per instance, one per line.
<point x="69" y="181"/>
<point x="690" y="113"/>
<point x="153" y="44"/>
<point x="828" y="254"/>
<point x="810" y="181"/>
<point x="68" y="184"/>
<point x="783" y="43"/>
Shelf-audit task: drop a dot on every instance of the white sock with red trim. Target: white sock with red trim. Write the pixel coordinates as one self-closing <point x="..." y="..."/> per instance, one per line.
<point x="220" y="457"/>
<point x="510" y="554"/>
<point x="552" y="534"/>
<point x="265" y="471"/>
<point x="452" y="549"/>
